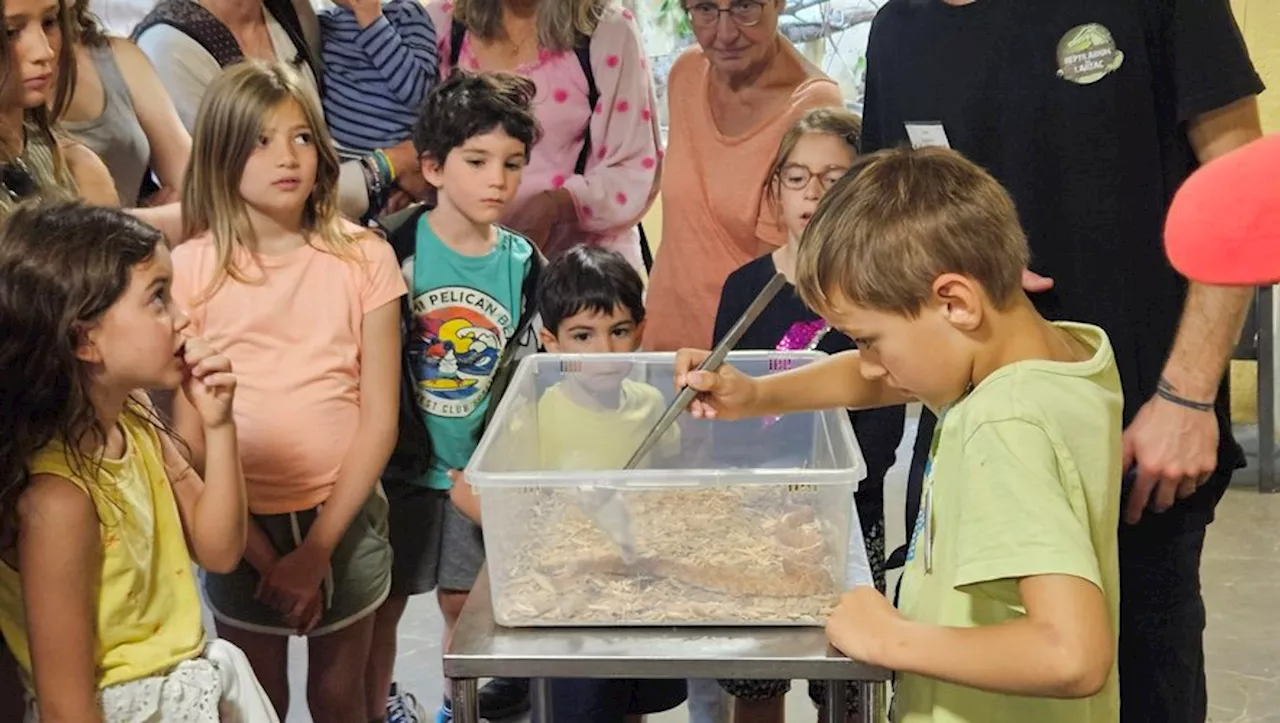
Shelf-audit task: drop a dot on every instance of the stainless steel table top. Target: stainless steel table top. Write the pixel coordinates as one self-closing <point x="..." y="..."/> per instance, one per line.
<point x="483" y="649"/>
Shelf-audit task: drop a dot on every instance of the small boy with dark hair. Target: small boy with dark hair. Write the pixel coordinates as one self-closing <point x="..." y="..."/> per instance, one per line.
<point x="469" y="316"/>
<point x="591" y="301"/>
<point x="1009" y="602"/>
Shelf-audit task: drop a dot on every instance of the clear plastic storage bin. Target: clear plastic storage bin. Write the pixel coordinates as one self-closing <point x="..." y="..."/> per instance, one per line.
<point x="726" y="523"/>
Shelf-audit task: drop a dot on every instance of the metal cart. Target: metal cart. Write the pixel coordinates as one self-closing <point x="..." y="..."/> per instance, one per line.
<point x="482" y="649"/>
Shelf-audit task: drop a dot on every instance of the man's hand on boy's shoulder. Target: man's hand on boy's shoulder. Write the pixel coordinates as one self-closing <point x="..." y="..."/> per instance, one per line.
<point x="863" y="625"/>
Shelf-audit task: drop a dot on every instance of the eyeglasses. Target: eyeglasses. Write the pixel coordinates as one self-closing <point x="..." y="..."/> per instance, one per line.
<point x="797" y="177"/>
<point x="744" y="13"/>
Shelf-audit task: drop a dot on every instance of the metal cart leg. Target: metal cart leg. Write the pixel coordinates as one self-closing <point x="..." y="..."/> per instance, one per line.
<point x="466" y="700"/>
<point x="540" y="697"/>
<point x="837" y="702"/>
<point x="1266" y="392"/>
<point x="871" y="696"/>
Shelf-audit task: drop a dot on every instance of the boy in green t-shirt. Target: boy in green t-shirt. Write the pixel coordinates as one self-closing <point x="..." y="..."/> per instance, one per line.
<point x="1009" y="600"/>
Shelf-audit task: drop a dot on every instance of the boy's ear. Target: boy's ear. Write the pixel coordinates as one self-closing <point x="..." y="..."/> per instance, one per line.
<point x="960" y="299"/>
<point x="639" y="335"/>
<point x="548" y="340"/>
<point x="432" y="170"/>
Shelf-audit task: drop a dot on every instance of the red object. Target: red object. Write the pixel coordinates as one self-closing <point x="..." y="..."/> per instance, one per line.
<point x="1224" y="224"/>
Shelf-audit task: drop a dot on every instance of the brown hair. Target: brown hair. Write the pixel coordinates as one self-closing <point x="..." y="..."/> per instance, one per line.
<point x="62" y="266"/>
<point x="901" y="218"/>
<point x="228" y="125"/>
<point x="43" y="118"/>
<point x="821" y="121"/>
<point x="88" y="28"/>
<point x="561" y="23"/>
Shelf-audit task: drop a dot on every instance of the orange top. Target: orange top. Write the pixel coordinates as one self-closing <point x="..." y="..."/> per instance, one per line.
<point x="293" y="335"/>
<point x="715" y="216"/>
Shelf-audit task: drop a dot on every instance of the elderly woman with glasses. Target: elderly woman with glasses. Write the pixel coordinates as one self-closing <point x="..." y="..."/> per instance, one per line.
<point x="732" y="96"/>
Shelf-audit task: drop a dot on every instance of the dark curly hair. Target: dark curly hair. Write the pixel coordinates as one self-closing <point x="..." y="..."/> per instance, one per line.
<point x="62" y="266"/>
<point x="588" y="278"/>
<point x="467" y="105"/>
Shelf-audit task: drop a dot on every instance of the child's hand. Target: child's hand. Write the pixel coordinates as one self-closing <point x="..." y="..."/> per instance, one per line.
<point x="293" y="581"/>
<point x="724" y="394"/>
<point x="863" y="624"/>
<point x="463" y="496"/>
<point x="208" y="383"/>
<point x="310" y="617"/>
<point x="366" y="11"/>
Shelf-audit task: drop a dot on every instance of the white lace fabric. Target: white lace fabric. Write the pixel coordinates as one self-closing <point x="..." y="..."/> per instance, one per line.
<point x="218" y="687"/>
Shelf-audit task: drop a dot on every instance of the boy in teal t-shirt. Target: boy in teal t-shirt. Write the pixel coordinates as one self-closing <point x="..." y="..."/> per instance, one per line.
<point x="1009" y="603"/>
<point x="468" y="318"/>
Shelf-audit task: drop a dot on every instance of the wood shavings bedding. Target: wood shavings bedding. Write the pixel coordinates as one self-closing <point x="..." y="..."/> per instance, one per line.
<point x="724" y="556"/>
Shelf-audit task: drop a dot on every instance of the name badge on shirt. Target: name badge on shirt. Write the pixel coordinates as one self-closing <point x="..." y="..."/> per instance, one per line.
<point x="927" y="135"/>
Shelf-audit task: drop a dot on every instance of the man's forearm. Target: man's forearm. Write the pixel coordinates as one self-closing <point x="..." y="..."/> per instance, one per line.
<point x="1211" y="323"/>
<point x="1214" y="315"/>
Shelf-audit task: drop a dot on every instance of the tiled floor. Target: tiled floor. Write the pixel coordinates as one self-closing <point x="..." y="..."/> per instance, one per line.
<point x="1241" y="579"/>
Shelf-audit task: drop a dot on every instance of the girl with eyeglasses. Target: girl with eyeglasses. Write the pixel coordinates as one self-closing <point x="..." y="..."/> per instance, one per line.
<point x="813" y="156"/>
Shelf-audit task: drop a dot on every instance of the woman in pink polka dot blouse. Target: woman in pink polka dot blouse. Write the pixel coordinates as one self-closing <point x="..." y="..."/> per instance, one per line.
<point x="594" y="173"/>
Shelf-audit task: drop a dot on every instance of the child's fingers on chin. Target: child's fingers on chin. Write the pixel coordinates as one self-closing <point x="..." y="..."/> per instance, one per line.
<point x="223" y="380"/>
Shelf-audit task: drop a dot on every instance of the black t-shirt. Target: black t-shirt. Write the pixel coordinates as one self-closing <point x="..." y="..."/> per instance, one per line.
<point x="1092" y="166"/>
<point x="878" y="430"/>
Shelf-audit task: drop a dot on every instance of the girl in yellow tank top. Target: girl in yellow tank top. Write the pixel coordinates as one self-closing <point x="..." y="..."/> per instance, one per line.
<point x="100" y="512"/>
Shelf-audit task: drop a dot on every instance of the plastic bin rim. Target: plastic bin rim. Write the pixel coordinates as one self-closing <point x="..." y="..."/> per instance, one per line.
<point x="669" y="478"/>
<point x="750" y="476"/>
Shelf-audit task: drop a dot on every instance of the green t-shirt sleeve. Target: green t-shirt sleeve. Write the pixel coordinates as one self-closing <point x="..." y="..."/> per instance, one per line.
<point x="1018" y="517"/>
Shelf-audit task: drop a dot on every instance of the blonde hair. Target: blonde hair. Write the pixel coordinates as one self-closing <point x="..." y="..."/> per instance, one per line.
<point x="900" y="219"/>
<point x="839" y="122"/>
<point x="227" y="129"/>
<point x="562" y="24"/>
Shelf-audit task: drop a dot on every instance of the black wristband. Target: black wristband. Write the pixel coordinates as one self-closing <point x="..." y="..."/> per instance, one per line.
<point x="1167" y="392"/>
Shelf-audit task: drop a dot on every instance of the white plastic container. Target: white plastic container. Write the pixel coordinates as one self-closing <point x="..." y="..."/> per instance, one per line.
<point x="732" y="523"/>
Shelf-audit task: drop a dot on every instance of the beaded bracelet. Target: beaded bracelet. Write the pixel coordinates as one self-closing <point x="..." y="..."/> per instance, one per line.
<point x="373" y="184"/>
<point x="384" y="162"/>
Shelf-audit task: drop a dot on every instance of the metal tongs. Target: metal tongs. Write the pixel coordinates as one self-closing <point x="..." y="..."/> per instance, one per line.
<point x="604" y="505"/>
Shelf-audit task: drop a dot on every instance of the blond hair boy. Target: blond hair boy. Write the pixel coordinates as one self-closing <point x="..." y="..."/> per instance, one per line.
<point x="1010" y="596"/>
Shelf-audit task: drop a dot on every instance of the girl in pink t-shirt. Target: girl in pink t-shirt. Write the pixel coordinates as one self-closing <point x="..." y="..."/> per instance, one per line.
<point x="306" y="308"/>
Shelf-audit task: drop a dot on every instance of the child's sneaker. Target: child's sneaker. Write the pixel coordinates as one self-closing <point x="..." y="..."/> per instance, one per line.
<point x="503" y="698"/>
<point x="445" y="714"/>
<point x="404" y="708"/>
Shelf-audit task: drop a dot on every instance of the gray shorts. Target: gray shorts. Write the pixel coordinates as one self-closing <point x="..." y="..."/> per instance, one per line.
<point x="433" y="544"/>
<point x="358" y="583"/>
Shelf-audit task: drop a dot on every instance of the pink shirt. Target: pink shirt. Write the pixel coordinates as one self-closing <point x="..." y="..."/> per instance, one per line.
<point x="294" y="339"/>
<point x="621" y="177"/>
<point x="715" y="216"/>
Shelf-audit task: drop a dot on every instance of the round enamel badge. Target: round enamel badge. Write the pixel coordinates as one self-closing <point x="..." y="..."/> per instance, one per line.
<point x="1087" y="53"/>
